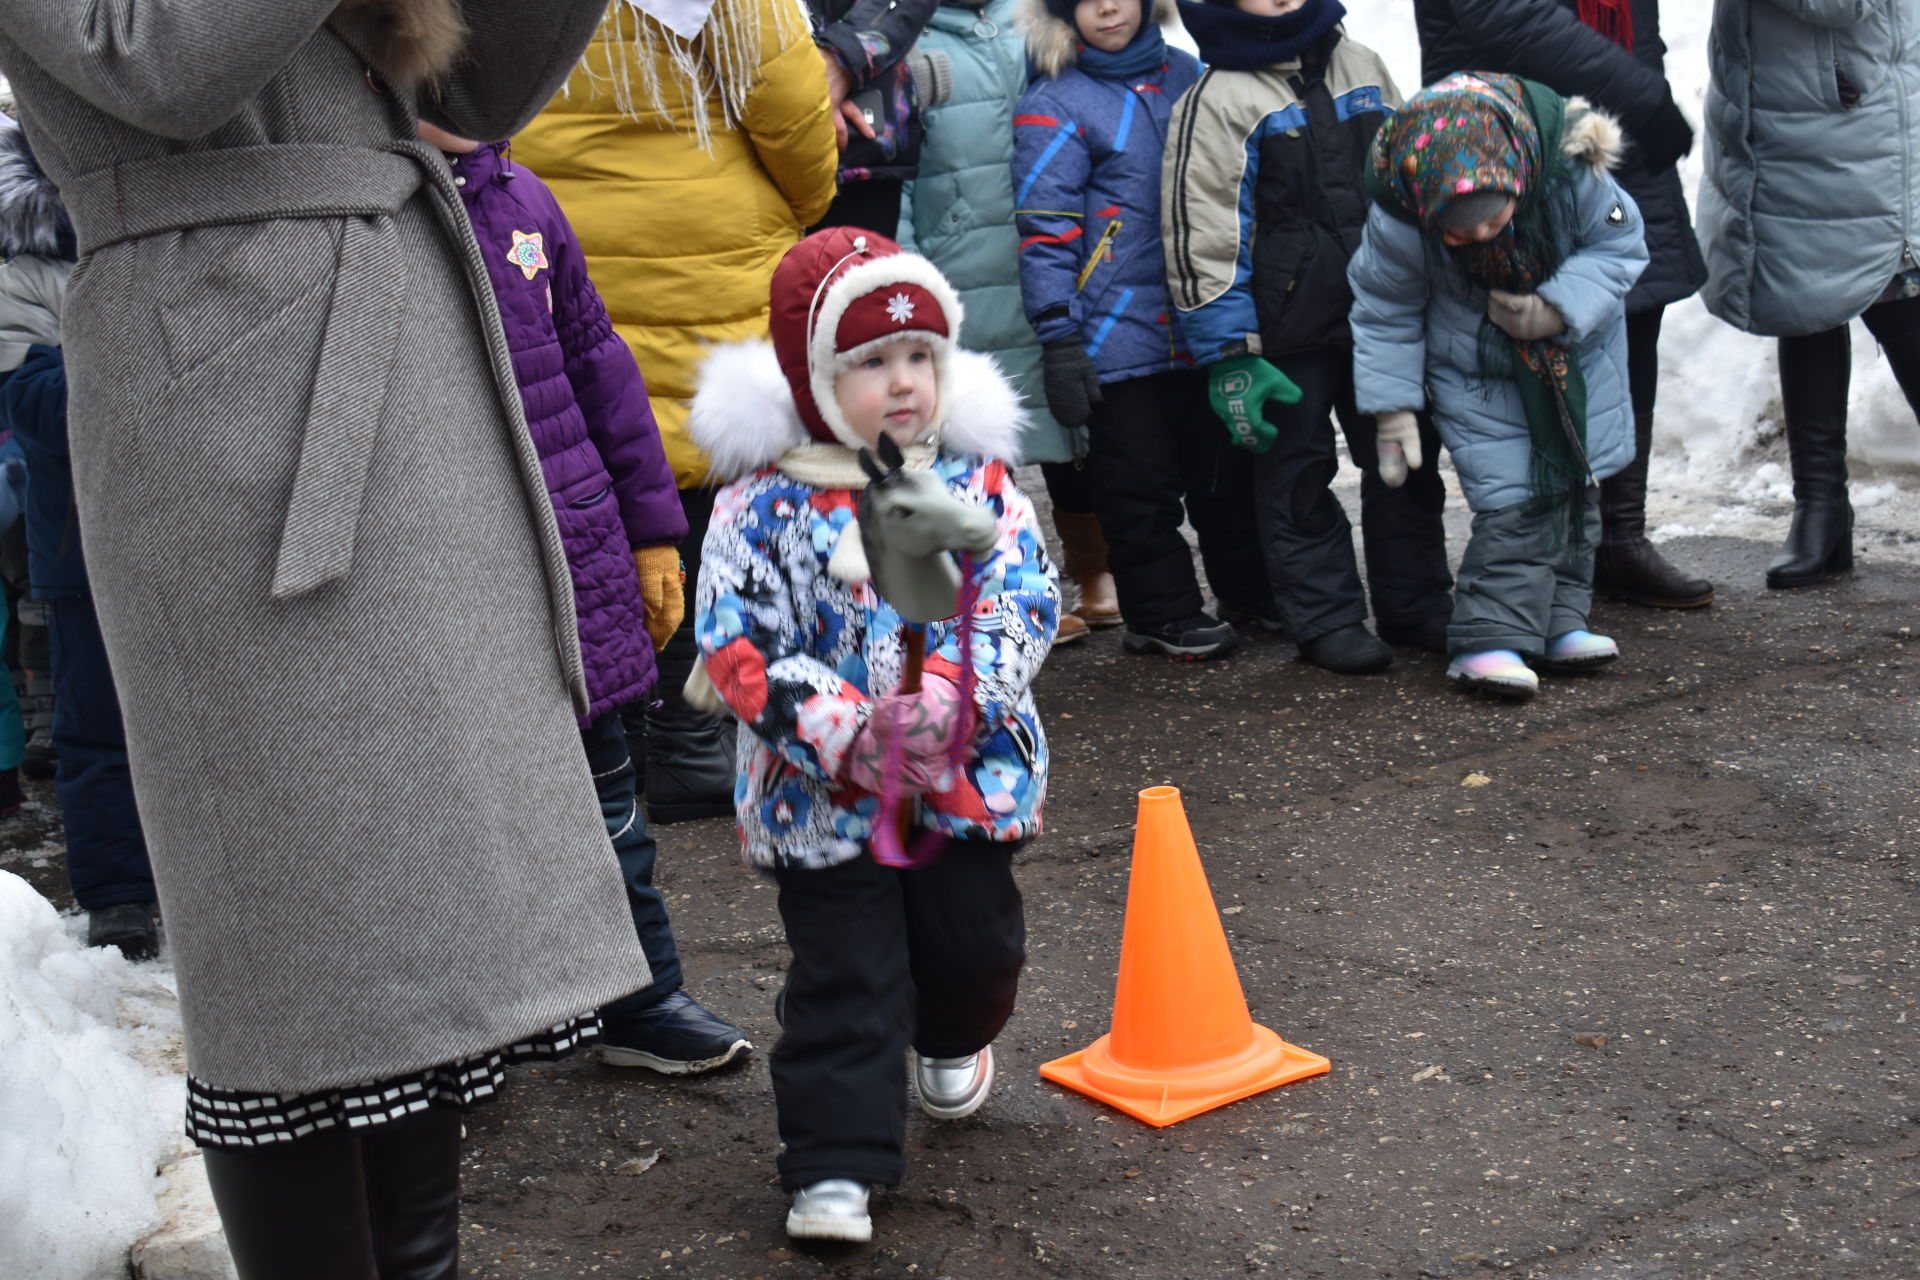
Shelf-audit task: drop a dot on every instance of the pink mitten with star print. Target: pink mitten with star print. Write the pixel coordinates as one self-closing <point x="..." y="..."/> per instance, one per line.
<point x="914" y="729"/>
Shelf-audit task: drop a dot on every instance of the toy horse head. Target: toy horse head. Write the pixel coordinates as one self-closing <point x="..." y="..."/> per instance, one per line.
<point x="910" y="522"/>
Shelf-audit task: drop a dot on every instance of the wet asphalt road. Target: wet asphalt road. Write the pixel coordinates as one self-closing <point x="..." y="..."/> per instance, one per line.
<point x="1618" y="984"/>
<point x="1705" y="855"/>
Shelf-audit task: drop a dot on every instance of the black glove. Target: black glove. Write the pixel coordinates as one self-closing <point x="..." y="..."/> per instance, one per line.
<point x="1664" y="138"/>
<point x="1072" y="384"/>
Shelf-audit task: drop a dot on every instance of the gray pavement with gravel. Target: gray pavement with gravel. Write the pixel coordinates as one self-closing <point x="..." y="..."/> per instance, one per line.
<point x="1617" y="985"/>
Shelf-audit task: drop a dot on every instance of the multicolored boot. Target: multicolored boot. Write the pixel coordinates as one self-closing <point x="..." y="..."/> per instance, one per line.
<point x="1579" y="651"/>
<point x="1501" y="673"/>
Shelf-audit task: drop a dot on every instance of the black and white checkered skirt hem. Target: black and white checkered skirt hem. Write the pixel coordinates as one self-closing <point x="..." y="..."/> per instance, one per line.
<point x="230" y="1118"/>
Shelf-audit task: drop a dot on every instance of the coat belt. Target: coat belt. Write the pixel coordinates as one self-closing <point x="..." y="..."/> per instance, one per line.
<point x="362" y="186"/>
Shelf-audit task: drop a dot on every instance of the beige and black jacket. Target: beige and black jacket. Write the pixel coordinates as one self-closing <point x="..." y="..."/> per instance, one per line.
<point x="1263" y="199"/>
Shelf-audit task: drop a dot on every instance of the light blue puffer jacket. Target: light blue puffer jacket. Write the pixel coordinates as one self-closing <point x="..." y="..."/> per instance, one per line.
<point x="1416" y="338"/>
<point x="1811" y="197"/>
<point x="959" y="210"/>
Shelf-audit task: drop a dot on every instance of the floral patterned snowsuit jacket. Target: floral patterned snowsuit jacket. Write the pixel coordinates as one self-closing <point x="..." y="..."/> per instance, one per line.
<point x="800" y="656"/>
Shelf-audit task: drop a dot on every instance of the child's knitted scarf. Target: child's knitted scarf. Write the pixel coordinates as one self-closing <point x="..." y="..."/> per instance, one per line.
<point x="1477" y="133"/>
<point x="1144" y="54"/>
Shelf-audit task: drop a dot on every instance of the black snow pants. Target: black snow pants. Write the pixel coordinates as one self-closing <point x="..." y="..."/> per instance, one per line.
<point x="1156" y="443"/>
<point x="1305" y="532"/>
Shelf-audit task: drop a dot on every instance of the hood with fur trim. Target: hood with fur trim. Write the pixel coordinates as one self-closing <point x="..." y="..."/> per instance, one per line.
<point x="827" y="294"/>
<point x="1053" y="43"/>
<point x="407" y="41"/>
<point x="744" y="416"/>
<point x="32" y="219"/>
<point x="1592" y="137"/>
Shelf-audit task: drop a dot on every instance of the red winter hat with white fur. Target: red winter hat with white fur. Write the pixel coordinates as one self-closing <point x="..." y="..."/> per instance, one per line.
<point x="838" y="296"/>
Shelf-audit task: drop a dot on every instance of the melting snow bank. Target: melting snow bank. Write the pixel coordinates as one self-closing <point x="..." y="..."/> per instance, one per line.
<point x="93" y="1093"/>
<point x="1720" y="452"/>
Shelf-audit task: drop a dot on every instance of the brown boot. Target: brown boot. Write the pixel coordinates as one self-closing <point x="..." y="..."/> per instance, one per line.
<point x="1071" y="629"/>
<point x="1086" y="549"/>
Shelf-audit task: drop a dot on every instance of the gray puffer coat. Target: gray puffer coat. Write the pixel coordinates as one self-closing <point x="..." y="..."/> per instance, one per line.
<point x="328" y="575"/>
<point x="1810" y="204"/>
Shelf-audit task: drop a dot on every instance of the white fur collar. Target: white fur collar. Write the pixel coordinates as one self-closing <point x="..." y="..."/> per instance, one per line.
<point x="744" y="418"/>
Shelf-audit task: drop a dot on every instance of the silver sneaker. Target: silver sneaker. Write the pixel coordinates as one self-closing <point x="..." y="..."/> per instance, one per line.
<point x="832" y="1210"/>
<point x="953" y="1087"/>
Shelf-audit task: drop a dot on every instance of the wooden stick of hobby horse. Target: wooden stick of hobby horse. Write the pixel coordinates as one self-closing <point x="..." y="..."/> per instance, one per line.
<point x="910" y="683"/>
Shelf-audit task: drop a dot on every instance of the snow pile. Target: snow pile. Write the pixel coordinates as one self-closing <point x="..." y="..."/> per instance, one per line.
<point x="92" y="1097"/>
<point x="1720" y="454"/>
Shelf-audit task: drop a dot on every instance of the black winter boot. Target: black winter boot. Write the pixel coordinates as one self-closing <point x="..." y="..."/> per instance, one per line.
<point x="1626" y="564"/>
<point x="689" y="757"/>
<point x="381" y="1203"/>
<point x="1814" y="372"/>
<point x="134" y="927"/>
<point x="1351" y="650"/>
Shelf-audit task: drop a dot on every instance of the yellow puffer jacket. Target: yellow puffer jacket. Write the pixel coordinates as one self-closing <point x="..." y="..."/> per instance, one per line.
<point x="682" y="241"/>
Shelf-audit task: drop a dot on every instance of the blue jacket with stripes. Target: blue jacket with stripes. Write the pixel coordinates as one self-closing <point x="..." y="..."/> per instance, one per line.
<point x="1086" y="197"/>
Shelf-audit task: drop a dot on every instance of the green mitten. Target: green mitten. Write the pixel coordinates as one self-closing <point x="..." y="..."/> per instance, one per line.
<point x="1239" y="388"/>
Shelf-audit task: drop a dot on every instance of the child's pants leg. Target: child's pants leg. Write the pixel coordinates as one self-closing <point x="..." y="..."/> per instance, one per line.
<point x="13" y="730"/>
<point x="1503" y="597"/>
<point x="1402" y="530"/>
<point x="839" y="1069"/>
<point x="1135" y="462"/>
<point x="1573" y="576"/>
<point x="1220" y="498"/>
<point x="615" y="780"/>
<point x="967" y="936"/>
<point x="106" y="849"/>
<point x="1304" y="530"/>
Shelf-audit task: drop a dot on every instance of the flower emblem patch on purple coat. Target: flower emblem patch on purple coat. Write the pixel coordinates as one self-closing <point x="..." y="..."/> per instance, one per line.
<point x="529" y="253"/>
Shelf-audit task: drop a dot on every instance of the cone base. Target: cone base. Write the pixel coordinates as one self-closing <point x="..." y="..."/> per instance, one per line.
<point x="1162" y="1098"/>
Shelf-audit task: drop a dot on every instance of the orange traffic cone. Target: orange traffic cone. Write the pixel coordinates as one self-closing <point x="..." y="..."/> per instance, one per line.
<point x="1182" y="1041"/>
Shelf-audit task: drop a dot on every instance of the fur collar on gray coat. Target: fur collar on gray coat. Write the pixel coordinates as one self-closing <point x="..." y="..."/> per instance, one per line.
<point x="1053" y="44"/>
<point x="32" y="219"/>
<point x="407" y="41"/>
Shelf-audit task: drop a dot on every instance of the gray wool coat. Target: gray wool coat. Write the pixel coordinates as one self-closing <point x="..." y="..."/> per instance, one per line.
<point x="331" y="586"/>
<point x="1810" y="203"/>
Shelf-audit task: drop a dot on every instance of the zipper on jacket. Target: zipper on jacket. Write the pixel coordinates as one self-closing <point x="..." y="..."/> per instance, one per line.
<point x="1102" y="250"/>
<point x="1895" y="17"/>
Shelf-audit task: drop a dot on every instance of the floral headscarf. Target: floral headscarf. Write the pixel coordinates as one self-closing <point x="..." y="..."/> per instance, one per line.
<point x="1463" y="135"/>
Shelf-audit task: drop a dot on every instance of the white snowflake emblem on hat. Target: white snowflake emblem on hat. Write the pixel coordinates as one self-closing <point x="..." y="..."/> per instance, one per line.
<point x="900" y="308"/>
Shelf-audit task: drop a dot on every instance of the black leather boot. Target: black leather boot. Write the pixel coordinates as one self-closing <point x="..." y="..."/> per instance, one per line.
<point x="1814" y="372"/>
<point x="689" y="768"/>
<point x="381" y="1203"/>
<point x="1626" y="564"/>
<point x="134" y="927"/>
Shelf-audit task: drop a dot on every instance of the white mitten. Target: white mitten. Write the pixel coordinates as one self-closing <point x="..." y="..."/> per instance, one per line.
<point x="1397" y="436"/>
<point x="1526" y="316"/>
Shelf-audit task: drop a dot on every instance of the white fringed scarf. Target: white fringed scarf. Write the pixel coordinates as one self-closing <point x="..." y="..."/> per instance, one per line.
<point x="714" y="47"/>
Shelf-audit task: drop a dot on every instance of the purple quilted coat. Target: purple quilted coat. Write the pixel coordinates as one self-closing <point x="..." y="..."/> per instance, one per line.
<point x="592" y="423"/>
